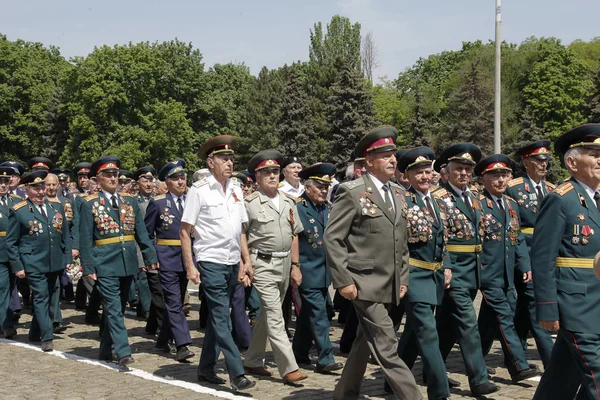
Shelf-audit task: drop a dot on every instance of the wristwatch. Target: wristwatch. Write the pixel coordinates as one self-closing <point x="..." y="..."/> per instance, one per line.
<point x="296" y="263"/>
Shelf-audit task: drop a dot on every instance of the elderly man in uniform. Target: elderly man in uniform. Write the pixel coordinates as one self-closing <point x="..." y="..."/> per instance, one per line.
<point x="565" y="241"/>
<point x="313" y="209"/>
<point x="163" y="219"/>
<point x="399" y="176"/>
<point x="19" y="169"/>
<point x="214" y="213"/>
<point x="110" y="225"/>
<point x="291" y="167"/>
<point x="367" y="253"/>
<point x="64" y="178"/>
<point x="125" y="180"/>
<point x="39" y="248"/>
<point x="270" y="235"/>
<point x="82" y="170"/>
<point x="529" y="191"/>
<point x="456" y="317"/>
<point x="504" y="251"/>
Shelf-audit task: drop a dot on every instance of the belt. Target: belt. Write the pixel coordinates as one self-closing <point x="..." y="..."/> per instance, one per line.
<point x="168" y="242"/>
<point x="112" y="240"/>
<point x="425" y="265"/>
<point x="2" y="234"/>
<point x="464" y="248"/>
<point x="567" y="262"/>
<point x="276" y="254"/>
<point x="527" y="231"/>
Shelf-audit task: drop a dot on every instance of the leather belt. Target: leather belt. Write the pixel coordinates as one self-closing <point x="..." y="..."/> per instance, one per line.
<point x="567" y="262"/>
<point x="168" y="242"/>
<point x="2" y="234"/>
<point x="112" y="240"/>
<point x="527" y="231"/>
<point x="266" y="254"/>
<point x="431" y="266"/>
<point x="464" y="248"/>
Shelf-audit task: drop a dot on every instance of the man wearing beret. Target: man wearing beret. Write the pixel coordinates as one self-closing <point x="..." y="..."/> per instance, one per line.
<point x="456" y="317"/>
<point x="111" y="224"/>
<point x="39" y="248"/>
<point x="214" y="213"/>
<point x="504" y="251"/>
<point x="565" y="241"/>
<point x="367" y="253"/>
<point x="529" y="191"/>
<point x="313" y="210"/>
<point x="428" y="277"/>
<point x="270" y="236"/>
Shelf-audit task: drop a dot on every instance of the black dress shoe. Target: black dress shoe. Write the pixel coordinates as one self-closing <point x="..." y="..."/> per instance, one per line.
<point x="16" y="317"/>
<point x="524" y="374"/>
<point x="453" y="383"/>
<point x="124" y="361"/>
<point x="59" y="328"/>
<point x="183" y="354"/>
<point x="491" y="371"/>
<point x="9" y="333"/>
<point x="166" y="347"/>
<point x="241" y="383"/>
<point x="212" y="378"/>
<point x="484" y="388"/>
<point x="329" y="368"/>
<point x="47" y="345"/>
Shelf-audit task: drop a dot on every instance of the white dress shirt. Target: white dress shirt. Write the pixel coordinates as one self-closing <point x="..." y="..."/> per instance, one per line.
<point x="289" y="189"/>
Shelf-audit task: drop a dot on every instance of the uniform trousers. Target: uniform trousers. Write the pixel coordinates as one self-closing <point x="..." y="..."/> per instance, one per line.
<point x="7" y="283"/>
<point x="115" y="294"/>
<point x="218" y="282"/>
<point x="271" y="281"/>
<point x="376" y="336"/>
<point x="45" y="294"/>
<point x="157" y="302"/>
<point x="241" y="330"/>
<point x="174" y="323"/>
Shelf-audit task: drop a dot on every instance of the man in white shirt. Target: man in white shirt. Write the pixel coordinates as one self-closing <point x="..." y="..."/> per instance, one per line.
<point x="214" y="211"/>
<point x="291" y="183"/>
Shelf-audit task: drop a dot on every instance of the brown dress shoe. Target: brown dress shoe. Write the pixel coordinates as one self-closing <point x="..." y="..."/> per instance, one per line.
<point x="294" y="376"/>
<point x="261" y="371"/>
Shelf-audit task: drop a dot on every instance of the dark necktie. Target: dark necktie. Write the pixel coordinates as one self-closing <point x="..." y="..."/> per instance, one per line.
<point x="597" y="200"/>
<point x="179" y="206"/>
<point x="387" y="198"/>
<point x="114" y="203"/>
<point x="43" y="212"/>
<point x="3" y="201"/>
<point x="540" y="193"/>
<point x="500" y="205"/>
<point x="467" y="200"/>
<point x="431" y="210"/>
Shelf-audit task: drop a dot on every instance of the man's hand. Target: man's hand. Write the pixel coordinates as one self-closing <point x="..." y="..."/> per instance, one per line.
<point x="153" y="267"/>
<point x="403" y="290"/>
<point x="249" y="268"/>
<point x="92" y="277"/>
<point x="552" y="326"/>
<point x="295" y="276"/>
<point x="75" y="253"/>
<point x="20" y="274"/>
<point x="527" y="277"/>
<point x="68" y="266"/>
<point x="193" y="275"/>
<point x="447" y="278"/>
<point x="349" y="292"/>
<point x="245" y="282"/>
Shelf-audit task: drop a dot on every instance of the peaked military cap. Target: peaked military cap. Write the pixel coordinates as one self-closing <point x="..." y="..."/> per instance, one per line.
<point x="466" y="153"/>
<point x="83" y="168"/>
<point x="380" y="139"/>
<point x="125" y="175"/>
<point x="144" y="172"/>
<point x="34" y="178"/>
<point x="587" y="135"/>
<point x="221" y="144"/>
<point x="265" y="159"/>
<point x="539" y="149"/>
<point x="320" y="172"/>
<point x="240" y="177"/>
<point x="399" y="154"/>
<point x="17" y="167"/>
<point x="40" y="163"/>
<point x="172" y="169"/>
<point x="353" y="157"/>
<point x="106" y="163"/>
<point x="62" y="173"/>
<point x="251" y="177"/>
<point x="422" y="155"/>
<point x="6" y="172"/>
<point x="291" y="160"/>
<point x="496" y="162"/>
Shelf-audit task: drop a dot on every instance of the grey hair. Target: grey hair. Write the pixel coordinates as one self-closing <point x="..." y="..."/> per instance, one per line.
<point x="310" y="182"/>
<point x="349" y="171"/>
<point x="574" y="152"/>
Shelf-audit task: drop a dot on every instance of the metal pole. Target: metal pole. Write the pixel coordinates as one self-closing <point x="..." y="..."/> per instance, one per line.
<point x="497" y="87"/>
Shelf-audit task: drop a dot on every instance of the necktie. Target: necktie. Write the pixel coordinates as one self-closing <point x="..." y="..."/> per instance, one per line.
<point x="179" y="206"/>
<point x="3" y="200"/>
<point x="431" y="210"/>
<point x="467" y="200"/>
<point x="500" y="205"/>
<point x="387" y="198"/>
<point x="114" y="203"/>
<point x="540" y="193"/>
<point x="597" y="200"/>
<point x="43" y="212"/>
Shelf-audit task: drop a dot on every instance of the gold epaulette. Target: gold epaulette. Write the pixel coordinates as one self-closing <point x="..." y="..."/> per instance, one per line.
<point x="19" y="205"/>
<point x="434" y="188"/>
<point x="53" y="199"/>
<point x="438" y="194"/>
<point x="552" y="186"/>
<point x="515" y="182"/>
<point x="91" y="197"/>
<point x="298" y="200"/>
<point x="481" y="197"/>
<point x="280" y="185"/>
<point x="160" y="197"/>
<point x="510" y="198"/>
<point x="16" y="196"/>
<point x="564" y="189"/>
<point x="125" y="194"/>
<point x="201" y="182"/>
<point x="253" y="196"/>
<point x="474" y="189"/>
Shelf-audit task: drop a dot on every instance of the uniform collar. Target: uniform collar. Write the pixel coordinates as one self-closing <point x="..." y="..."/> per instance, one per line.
<point x="458" y="191"/>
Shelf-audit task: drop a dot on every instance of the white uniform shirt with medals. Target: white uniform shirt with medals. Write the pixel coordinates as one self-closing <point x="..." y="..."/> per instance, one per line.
<point x="217" y="218"/>
<point x="289" y="189"/>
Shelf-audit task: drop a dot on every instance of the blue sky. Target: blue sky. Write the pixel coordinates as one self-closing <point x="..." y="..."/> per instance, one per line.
<point x="272" y="33"/>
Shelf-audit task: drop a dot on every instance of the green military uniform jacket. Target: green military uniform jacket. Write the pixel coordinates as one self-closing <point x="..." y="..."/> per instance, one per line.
<point x="107" y="238"/>
<point x="465" y="234"/>
<point x="427" y="246"/>
<point x="35" y="243"/>
<point x="565" y="242"/>
<point x="504" y="246"/>
<point x="4" y="213"/>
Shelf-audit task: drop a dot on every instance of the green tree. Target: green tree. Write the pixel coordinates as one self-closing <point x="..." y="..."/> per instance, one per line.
<point x="340" y="41"/>
<point x="594" y="104"/>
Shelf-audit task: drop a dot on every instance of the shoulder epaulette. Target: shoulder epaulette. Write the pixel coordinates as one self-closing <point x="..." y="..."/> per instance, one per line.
<point x="552" y="186"/>
<point x="253" y="196"/>
<point x="298" y="200"/>
<point x="510" y="198"/>
<point x="160" y="197"/>
<point x="407" y="193"/>
<point x="280" y="185"/>
<point x="19" y="205"/>
<point x="54" y="200"/>
<point x="353" y="184"/>
<point x="125" y="194"/>
<point x="236" y="182"/>
<point x="515" y="182"/>
<point x="434" y="188"/>
<point x="474" y="189"/>
<point x="438" y="194"/>
<point x="481" y="197"/>
<point x="564" y="188"/>
<point x="91" y="197"/>
<point x="201" y="182"/>
<point x="289" y="196"/>
<point x="16" y="196"/>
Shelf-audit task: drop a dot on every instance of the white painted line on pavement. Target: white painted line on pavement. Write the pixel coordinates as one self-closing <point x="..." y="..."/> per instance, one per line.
<point x="132" y="371"/>
<point x="535" y="379"/>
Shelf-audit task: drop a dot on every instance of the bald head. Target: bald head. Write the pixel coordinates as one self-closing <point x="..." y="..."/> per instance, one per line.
<point x="51" y="185"/>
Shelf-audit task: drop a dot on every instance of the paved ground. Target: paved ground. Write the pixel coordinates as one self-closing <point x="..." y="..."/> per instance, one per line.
<point x="72" y="371"/>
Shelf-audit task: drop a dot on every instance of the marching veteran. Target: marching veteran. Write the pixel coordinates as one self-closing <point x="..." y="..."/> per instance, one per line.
<point x="456" y="316"/>
<point x="39" y="248"/>
<point x="270" y="235"/>
<point x="428" y="277"/>
<point x="565" y="241"/>
<point x="313" y="210"/>
<point x="504" y="251"/>
<point x="110" y="223"/>
<point x="366" y="245"/>
<point x="163" y="219"/>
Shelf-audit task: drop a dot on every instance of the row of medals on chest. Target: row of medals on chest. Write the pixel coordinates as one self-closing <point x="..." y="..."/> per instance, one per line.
<point x="106" y="224"/>
<point x="581" y="233"/>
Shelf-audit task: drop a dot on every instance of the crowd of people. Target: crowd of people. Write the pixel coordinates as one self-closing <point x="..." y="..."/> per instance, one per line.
<point x="399" y="234"/>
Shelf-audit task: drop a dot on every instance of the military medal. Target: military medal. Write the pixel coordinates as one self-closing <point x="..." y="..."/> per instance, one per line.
<point x="581" y="217"/>
<point x="586" y="231"/>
